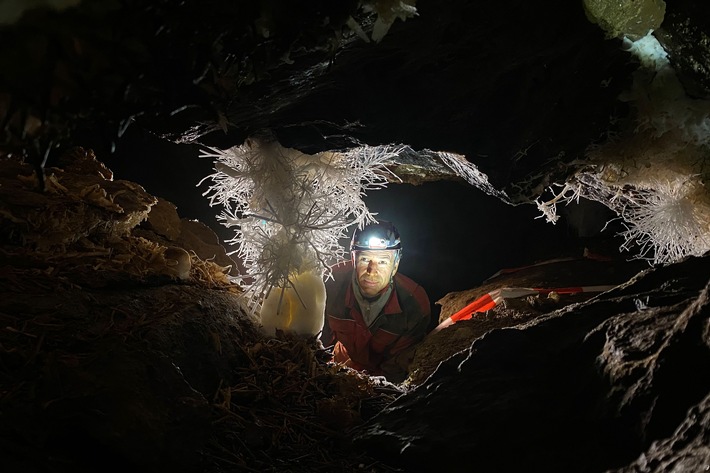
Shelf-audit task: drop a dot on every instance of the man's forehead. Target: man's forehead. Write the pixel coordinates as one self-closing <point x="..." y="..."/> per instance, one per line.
<point x="389" y="254"/>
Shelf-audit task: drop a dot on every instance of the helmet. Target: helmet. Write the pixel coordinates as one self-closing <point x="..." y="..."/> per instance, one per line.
<point x="376" y="236"/>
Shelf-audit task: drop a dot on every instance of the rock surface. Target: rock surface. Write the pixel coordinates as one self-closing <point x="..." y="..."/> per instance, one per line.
<point x="588" y="388"/>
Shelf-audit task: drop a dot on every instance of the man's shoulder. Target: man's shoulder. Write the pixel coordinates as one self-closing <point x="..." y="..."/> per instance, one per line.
<point x="406" y="283"/>
<point x="412" y="296"/>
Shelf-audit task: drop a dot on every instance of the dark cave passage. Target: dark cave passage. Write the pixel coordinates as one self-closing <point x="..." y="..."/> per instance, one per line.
<point x="454" y="235"/>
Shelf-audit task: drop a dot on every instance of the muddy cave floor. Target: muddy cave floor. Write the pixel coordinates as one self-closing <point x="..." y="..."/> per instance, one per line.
<point x="124" y="344"/>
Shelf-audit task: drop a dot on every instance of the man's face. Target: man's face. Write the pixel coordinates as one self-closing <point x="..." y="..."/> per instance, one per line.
<point x="374" y="269"/>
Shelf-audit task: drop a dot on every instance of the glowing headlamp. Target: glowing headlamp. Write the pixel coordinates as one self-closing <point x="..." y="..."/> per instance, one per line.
<point x="376" y="243"/>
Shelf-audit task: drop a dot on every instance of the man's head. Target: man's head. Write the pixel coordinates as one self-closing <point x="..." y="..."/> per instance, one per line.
<point x="375" y="252"/>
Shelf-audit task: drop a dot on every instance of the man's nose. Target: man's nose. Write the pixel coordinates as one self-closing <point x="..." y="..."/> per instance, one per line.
<point x="371" y="267"/>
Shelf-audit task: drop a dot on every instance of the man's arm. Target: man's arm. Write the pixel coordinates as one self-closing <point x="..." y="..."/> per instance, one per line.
<point x="396" y="367"/>
<point x="401" y="353"/>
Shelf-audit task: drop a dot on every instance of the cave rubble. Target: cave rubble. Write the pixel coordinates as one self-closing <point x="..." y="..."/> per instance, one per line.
<point x="123" y="348"/>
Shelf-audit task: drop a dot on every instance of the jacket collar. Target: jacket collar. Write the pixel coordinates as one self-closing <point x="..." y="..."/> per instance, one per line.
<point x="391" y="307"/>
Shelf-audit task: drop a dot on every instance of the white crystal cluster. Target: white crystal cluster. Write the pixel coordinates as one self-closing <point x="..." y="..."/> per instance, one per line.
<point x="656" y="175"/>
<point x="289" y="209"/>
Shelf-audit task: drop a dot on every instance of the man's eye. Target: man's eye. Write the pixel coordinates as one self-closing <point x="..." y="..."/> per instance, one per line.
<point x="384" y="262"/>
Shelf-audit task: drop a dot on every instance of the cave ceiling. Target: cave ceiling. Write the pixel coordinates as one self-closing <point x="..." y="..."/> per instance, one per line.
<point x="520" y="89"/>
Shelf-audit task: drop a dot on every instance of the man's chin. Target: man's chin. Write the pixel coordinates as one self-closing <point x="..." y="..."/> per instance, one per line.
<point x="369" y="291"/>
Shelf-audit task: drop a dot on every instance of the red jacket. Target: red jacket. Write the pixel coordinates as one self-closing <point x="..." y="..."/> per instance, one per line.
<point x="403" y="322"/>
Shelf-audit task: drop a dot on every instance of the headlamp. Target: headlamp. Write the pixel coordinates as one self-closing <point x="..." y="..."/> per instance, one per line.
<point x="377" y="243"/>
